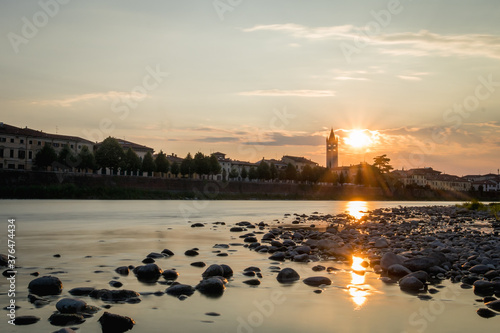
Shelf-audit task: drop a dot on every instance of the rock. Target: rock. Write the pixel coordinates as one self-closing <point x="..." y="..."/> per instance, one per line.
<point x="115" y="284"/>
<point x="26" y="320"/>
<point x="148" y="261"/>
<point x="480" y="269"/>
<point x="122" y="270"/>
<point x="8" y="273"/>
<point x="198" y="264"/>
<point x="113" y="323"/>
<point x="155" y="255"/>
<point x="191" y="253"/>
<point x="65" y="330"/>
<point x="318" y="268"/>
<point x="46" y="285"/>
<point x="420" y="264"/>
<point x="423" y="276"/>
<point x="287" y="275"/>
<point x="213" y="270"/>
<point x="71" y="305"/>
<point x="197" y="225"/>
<point x="390" y="259"/>
<point x="252" y="282"/>
<point x="252" y="269"/>
<point x="65" y="319"/>
<point x="237" y="229"/>
<point x="212" y="286"/>
<point x="4" y="260"/>
<point x="82" y="291"/>
<point x="167" y="252"/>
<point x="494" y="305"/>
<point x="301" y="258"/>
<point x="303" y="250"/>
<point x="212" y="314"/>
<point x="38" y="301"/>
<point x="113" y="296"/>
<point x="250" y="239"/>
<point x="268" y="236"/>
<point x="149" y="272"/>
<point x="398" y="271"/>
<point x="228" y="271"/>
<point x="411" y="284"/>
<point x="381" y="243"/>
<point x="484" y="288"/>
<point x="278" y="256"/>
<point x="486" y="313"/>
<point x="170" y="274"/>
<point x="317" y="281"/>
<point x="180" y="289"/>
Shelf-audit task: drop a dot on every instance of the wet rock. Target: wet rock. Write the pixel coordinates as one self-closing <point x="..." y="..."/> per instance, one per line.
<point x="148" y="261"/>
<point x="65" y="319"/>
<point x="118" y="296"/>
<point x="303" y="250"/>
<point x="46" y="285"/>
<point x="191" y="253"/>
<point x="212" y="314"/>
<point x="9" y="273"/>
<point x="381" y="243"/>
<point x="480" y="269"/>
<point x="411" y="284"/>
<point x="390" y="259"/>
<point x="213" y="270"/>
<point x="198" y="264"/>
<point x="237" y="229"/>
<point x="252" y="282"/>
<point x="71" y="305"/>
<point x="113" y="323"/>
<point x="155" y="255"/>
<point x="26" y="320"/>
<point x="4" y="260"/>
<point x="484" y="288"/>
<point x="149" y="272"/>
<point x="115" y="284"/>
<point x="423" y="276"/>
<point x="485" y="313"/>
<point x="317" y="281"/>
<point x="398" y="271"/>
<point x="170" y="274"/>
<point x="65" y="330"/>
<point x="122" y="270"/>
<point x="38" y="301"/>
<point x="82" y="291"/>
<point x="494" y="305"/>
<point x="212" y="286"/>
<point x="197" y="225"/>
<point x="301" y="258"/>
<point x="167" y="252"/>
<point x="287" y="275"/>
<point x="278" y="256"/>
<point x="228" y="271"/>
<point x="252" y="269"/>
<point x="420" y="264"/>
<point x="319" y="268"/>
<point x="180" y="289"/>
<point x="250" y="239"/>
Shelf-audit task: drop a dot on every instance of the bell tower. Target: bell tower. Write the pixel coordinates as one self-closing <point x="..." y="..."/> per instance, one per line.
<point x="332" y="151"/>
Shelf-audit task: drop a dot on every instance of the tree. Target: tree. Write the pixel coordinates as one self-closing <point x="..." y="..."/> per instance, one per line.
<point x="110" y="154"/>
<point x="45" y="157"/>
<point x="233" y="174"/>
<point x="86" y="158"/>
<point x="341" y="178"/>
<point x="290" y="172"/>
<point x="214" y="165"/>
<point x="382" y="163"/>
<point x="148" y="164"/>
<point x="274" y="171"/>
<point x="252" y="174"/>
<point x="201" y="164"/>
<point x="358" y="179"/>
<point x="263" y="171"/>
<point x="244" y="173"/>
<point x="307" y="173"/>
<point x="132" y="161"/>
<point x="174" y="169"/>
<point x="161" y="162"/>
<point x="66" y="157"/>
<point x="187" y="166"/>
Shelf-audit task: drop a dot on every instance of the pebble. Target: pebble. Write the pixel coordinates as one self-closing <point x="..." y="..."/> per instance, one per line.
<point x="113" y="323"/>
<point x="317" y="281"/>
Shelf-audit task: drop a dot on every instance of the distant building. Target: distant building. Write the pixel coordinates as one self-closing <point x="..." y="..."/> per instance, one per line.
<point x="140" y="150"/>
<point x="332" y="151"/>
<point x="228" y="165"/>
<point x="298" y="162"/>
<point x="434" y="179"/>
<point x="19" y="146"/>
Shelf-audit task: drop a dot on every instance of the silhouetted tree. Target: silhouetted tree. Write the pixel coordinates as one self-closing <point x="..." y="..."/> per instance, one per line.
<point x="307" y="173"/>
<point x="161" y="162"/>
<point x="342" y="179"/>
<point x="132" y="161"/>
<point x="382" y="163"/>
<point x="201" y="164"/>
<point x="110" y="154"/>
<point x="45" y="157"/>
<point x="175" y="169"/>
<point x="244" y="173"/>
<point x="263" y="171"/>
<point x="86" y="159"/>
<point x="148" y="164"/>
<point x="252" y="173"/>
<point x="233" y="174"/>
<point x="290" y="172"/>
<point x="66" y="158"/>
<point x="214" y="165"/>
<point x="273" y="170"/>
<point x="187" y="166"/>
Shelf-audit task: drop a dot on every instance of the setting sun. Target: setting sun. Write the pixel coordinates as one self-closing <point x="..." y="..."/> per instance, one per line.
<point x="358" y="139"/>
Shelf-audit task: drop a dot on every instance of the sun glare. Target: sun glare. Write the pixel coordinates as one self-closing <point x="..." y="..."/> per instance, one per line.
<point x="358" y="139"/>
<point x="357" y="209"/>
<point x="357" y="288"/>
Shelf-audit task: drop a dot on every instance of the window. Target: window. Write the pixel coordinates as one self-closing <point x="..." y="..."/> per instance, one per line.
<point x="79" y="146"/>
<point x="21" y="140"/>
<point x="72" y="146"/>
<point x="11" y="153"/>
<point x="39" y="143"/>
<point x="30" y="142"/>
<point x="55" y="145"/>
<point x="1" y="152"/>
<point x="30" y="155"/>
<point x="11" y="166"/>
<point x="3" y="139"/>
<point x="20" y="166"/>
<point x="21" y="154"/>
<point x="12" y="140"/>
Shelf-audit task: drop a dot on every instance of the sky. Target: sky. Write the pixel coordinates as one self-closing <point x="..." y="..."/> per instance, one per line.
<point x="419" y="79"/>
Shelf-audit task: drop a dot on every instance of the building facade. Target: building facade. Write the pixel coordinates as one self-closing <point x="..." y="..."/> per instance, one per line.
<point x="332" y="151"/>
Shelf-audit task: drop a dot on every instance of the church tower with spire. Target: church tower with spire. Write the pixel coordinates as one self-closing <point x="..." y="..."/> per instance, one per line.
<point x="332" y="151"/>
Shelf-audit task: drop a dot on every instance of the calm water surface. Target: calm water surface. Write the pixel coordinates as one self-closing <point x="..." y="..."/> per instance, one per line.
<point x="95" y="237"/>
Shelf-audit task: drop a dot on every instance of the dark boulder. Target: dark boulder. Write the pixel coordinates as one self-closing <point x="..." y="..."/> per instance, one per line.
<point x="287" y="275"/>
<point x="149" y="272"/>
<point x="213" y="270"/>
<point x="26" y="320"/>
<point x="411" y="284"/>
<point x="316" y="281"/>
<point x="180" y="289"/>
<point x="65" y="319"/>
<point x="212" y="287"/>
<point x="46" y="285"/>
<point x="113" y="323"/>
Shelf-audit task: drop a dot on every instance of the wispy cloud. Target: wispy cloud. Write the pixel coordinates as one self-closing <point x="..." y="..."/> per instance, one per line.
<point x="422" y="43"/>
<point x="298" y="93"/>
<point x="106" y="96"/>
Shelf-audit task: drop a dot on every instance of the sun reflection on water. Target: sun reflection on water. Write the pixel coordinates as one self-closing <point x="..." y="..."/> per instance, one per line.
<point x="357" y="288"/>
<point x="357" y="209"/>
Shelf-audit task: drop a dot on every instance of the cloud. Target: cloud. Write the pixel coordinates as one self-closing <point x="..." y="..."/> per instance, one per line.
<point x="217" y="139"/>
<point x="422" y="43"/>
<point x="410" y="78"/>
<point x="110" y="95"/>
<point x="298" y="93"/>
<point x="279" y="139"/>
